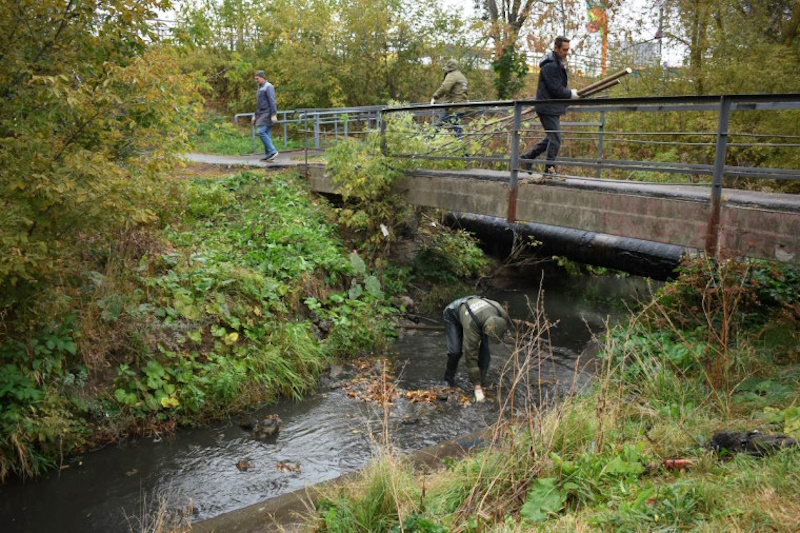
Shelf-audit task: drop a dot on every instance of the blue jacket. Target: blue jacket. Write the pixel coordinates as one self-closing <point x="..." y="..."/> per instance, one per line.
<point x="265" y="105"/>
<point x="552" y="85"/>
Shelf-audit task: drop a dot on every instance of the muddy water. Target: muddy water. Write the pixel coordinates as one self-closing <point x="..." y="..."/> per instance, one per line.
<point x="322" y="437"/>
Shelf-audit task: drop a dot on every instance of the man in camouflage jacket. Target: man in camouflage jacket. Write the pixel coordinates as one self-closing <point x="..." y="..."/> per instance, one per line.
<point x="469" y="322"/>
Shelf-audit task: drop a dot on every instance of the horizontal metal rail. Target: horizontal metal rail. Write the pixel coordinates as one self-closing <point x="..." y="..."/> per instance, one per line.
<point x="338" y="120"/>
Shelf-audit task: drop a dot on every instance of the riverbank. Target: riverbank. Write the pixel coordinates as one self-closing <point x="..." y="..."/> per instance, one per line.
<point x="285" y="513"/>
<point x="667" y="438"/>
<point x="289" y="512"/>
<point x="225" y="300"/>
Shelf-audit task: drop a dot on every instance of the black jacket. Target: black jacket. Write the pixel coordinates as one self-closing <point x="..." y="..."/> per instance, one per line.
<point x="552" y="85"/>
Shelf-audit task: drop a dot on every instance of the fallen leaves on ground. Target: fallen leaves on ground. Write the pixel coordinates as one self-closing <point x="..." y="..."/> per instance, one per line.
<point x="287" y="467"/>
<point x="376" y="384"/>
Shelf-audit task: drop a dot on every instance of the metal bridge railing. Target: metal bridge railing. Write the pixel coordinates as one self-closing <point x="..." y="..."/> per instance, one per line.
<point x="598" y="133"/>
<point x="318" y="125"/>
<point x="602" y="138"/>
<point x="707" y="139"/>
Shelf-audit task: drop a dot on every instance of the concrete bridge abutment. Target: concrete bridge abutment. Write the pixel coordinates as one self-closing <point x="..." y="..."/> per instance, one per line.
<point x="751" y="224"/>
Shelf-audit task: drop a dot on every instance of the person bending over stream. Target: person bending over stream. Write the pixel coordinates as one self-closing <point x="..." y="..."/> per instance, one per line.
<point x="468" y="324"/>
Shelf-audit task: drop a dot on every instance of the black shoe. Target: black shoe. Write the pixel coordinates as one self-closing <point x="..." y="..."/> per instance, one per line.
<point x="272" y="156"/>
<point x="265" y="158"/>
<point x="527" y="166"/>
<point x="550" y="173"/>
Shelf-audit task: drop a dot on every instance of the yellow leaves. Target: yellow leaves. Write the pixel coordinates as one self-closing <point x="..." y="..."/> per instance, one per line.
<point x="424" y="396"/>
<point x="231" y="338"/>
<point x="790" y="418"/>
<point x="81" y="139"/>
<point x="169" y="402"/>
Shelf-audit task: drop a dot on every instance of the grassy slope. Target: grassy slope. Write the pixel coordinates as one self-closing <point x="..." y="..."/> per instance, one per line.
<point x="180" y="323"/>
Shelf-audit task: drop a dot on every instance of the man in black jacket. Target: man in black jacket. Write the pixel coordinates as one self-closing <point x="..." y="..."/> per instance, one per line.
<point x="552" y="86"/>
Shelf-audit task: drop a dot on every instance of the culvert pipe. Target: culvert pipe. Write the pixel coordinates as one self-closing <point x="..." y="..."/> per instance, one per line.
<point x="636" y="256"/>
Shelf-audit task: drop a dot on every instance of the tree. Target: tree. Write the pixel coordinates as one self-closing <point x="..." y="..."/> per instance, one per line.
<point x="738" y="45"/>
<point x="505" y="20"/>
<point x="90" y="112"/>
<point x="325" y="53"/>
<point x="539" y="22"/>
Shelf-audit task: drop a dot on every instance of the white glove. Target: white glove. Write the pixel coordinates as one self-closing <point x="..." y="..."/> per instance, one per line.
<point x="574" y="94"/>
<point x="433" y="101"/>
<point x="274" y="118"/>
<point x="479" y="397"/>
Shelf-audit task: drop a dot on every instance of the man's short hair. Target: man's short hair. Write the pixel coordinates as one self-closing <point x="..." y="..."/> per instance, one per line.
<point x="560" y="40"/>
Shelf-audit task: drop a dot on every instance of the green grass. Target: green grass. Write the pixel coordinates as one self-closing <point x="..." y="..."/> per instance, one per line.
<point x="219" y="135"/>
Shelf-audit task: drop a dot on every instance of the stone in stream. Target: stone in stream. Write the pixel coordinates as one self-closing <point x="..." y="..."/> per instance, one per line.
<point x="410" y="419"/>
<point x="267" y="427"/>
<point x="245" y="423"/>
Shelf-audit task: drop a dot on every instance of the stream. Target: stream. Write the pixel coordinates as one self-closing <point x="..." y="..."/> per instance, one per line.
<point x="322" y="437"/>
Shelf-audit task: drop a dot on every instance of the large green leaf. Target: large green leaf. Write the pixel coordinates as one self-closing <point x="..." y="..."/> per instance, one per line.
<point x="544" y="500"/>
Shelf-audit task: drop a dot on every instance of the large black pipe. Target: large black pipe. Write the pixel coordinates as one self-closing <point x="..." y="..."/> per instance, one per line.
<point x="643" y="258"/>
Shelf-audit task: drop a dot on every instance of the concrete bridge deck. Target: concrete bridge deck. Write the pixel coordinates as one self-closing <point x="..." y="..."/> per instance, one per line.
<point x="752" y="224"/>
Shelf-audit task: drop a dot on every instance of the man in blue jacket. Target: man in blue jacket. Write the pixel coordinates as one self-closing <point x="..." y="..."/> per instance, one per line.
<point x="552" y="86"/>
<point x="266" y="114"/>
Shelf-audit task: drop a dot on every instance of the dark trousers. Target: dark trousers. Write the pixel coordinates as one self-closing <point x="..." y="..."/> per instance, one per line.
<point x="452" y="122"/>
<point x="551" y="142"/>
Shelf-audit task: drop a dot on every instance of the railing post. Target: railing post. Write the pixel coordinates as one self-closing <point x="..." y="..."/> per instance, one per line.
<point x="601" y="129"/>
<point x="253" y="134"/>
<point x="514" y="180"/>
<point x="305" y="139"/>
<point x="382" y="125"/>
<point x="316" y="131"/>
<point x="285" y="131"/>
<point x="712" y="230"/>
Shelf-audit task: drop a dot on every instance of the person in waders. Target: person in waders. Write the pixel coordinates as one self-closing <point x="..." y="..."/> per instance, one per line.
<point x="468" y="324"/>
